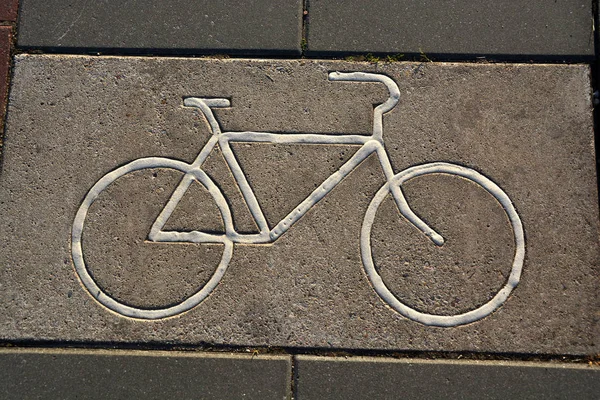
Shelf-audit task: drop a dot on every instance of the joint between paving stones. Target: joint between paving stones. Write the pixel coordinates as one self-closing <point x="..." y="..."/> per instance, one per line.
<point x="293" y="382"/>
<point x="346" y="353"/>
<point x="305" y="18"/>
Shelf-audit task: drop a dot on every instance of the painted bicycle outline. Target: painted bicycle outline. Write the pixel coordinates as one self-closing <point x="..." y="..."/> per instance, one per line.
<point x="372" y="144"/>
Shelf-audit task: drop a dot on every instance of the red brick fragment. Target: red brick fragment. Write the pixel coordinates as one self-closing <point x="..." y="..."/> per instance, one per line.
<point x="5" y="38"/>
<point x="8" y="10"/>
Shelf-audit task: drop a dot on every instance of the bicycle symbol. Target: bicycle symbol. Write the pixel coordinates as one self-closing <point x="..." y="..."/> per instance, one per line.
<point x="372" y="144"/>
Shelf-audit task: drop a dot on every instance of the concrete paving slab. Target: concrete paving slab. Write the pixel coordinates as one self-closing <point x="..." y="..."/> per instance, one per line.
<point x="370" y="378"/>
<point x="179" y="26"/>
<point x="505" y="29"/>
<point x="98" y="374"/>
<point x="100" y="245"/>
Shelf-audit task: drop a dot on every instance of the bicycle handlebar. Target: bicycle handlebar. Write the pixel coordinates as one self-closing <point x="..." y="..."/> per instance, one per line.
<point x="212" y="103"/>
<point x="392" y="87"/>
<point x="380" y="109"/>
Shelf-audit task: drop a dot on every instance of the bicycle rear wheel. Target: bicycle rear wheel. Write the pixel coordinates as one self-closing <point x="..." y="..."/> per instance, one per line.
<point x="426" y="318"/>
<point x="78" y="244"/>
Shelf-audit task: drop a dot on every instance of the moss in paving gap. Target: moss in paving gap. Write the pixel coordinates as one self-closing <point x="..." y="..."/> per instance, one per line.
<point x="303" y="44"/>
<point x="594" y="360"/>
<point x="394" y="58"/>
<point x="216" y="56"/>
<point x="389" y="58"/>
<point x="371" y="58"/>
<point x="424" y="57"/>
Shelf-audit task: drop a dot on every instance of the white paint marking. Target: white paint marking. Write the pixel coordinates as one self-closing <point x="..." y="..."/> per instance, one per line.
<point x="369" y="145"/>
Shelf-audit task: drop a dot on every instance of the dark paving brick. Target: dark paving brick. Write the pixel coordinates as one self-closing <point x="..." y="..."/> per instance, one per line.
<point x="504" y="28"/>
<point x="61" y="374"/>
<point x="163" y="26"/>
<point x="8" y="10"/>
<point x="361" y="378"/>
<point x="5" y="38"/>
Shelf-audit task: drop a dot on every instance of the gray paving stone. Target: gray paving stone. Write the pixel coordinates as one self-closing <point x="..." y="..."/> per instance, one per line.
<point x="505" y="29"/>
<point x="178" y="26"/>
<point x="365" y="378"/>
<point x="73" y="120"/>
<point x="99" y="374"/>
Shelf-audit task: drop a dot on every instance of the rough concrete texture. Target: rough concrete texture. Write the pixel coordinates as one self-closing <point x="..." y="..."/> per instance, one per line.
<point x="504" y="28"/>
<point x="73" y="119"/>
<point x="367" y="378"/>
<point x="89" y="374"/>
<point x="180" y="26"/>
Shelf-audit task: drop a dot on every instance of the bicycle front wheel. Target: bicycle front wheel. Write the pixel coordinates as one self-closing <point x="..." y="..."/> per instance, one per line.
<point x="493" y="192"/>
<point x="120" y="267"/>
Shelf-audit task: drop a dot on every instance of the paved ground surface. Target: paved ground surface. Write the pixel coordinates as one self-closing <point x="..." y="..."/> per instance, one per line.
<point x="364" y="378"/>
<point x="463" y="28"/>
<point x="101" y="374"/>
<point x="72" y="119"/>
<point x="282" y="294"/>
<point x="506" y="29"/>
<point x="127" y="375"/>
<point x="179" y="27"/>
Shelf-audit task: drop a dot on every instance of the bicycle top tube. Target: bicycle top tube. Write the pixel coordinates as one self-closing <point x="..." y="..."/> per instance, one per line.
<point x="294" y="138"/>
<point x="206" y="106"/>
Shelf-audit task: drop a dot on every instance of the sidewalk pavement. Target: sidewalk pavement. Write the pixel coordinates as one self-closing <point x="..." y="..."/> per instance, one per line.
<point x="126" y="374"/>
<point x="495" y="153"/>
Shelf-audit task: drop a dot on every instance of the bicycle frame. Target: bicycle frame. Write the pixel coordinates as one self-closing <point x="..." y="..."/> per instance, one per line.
<point x="369" y="145"/>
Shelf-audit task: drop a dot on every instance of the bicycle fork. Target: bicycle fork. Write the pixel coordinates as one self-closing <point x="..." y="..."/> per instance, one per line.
<point x="399" y="198"/>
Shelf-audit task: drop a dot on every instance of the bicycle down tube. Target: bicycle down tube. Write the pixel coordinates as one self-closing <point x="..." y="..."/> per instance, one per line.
<point x="369" y="144"/>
